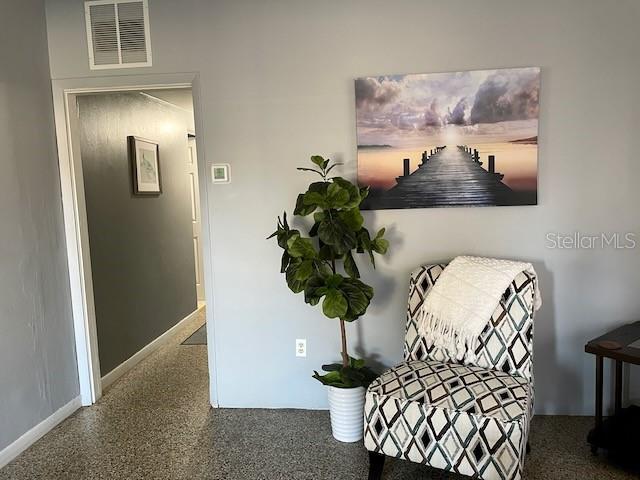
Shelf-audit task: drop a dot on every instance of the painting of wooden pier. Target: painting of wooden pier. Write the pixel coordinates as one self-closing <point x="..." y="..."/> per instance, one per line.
<point x="450" y="139"/>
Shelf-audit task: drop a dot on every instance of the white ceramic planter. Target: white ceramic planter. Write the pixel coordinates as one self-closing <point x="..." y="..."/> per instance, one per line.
<point x="346" y="406"/>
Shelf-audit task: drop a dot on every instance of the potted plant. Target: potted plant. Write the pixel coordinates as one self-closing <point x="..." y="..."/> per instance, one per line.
<point x="322" y="266"/>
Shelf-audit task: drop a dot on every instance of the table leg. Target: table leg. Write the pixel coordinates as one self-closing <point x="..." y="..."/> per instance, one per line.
<point x="618" y="397"/>
<point x="595" y="434"/>
<point x="599" y="391"/>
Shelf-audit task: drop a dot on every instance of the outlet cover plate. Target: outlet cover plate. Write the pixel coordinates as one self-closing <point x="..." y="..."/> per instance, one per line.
<point x="301" y="347"/>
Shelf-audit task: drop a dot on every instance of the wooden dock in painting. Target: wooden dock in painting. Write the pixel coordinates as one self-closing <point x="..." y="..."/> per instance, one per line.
<point x="449" y="177"/>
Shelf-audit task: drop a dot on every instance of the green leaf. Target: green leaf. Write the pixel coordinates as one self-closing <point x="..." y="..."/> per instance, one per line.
<point x="366" y="289"/>
<point x="348" y="242"/>
<point x="353" y="362"/>
<point x="334" y="304"/>
<point x="301" y="247"/>
<point x="354" y="192"/>
<point x="330" y="232"/>
<point x="302" y="209"/>
<point x="332" y="367"/>
<point x="284" y="262"/>
<point x="290" y="239"/>
<point x="313" y="231"/>
<point x="364" y="240"/>
<point x="332" y="379"/>
<point x="326" y="253"/>
<point x="334" y="281"/>
<point x="356" y="374"/>
<point x="323" y="269"/>
<point x="352" y="218"/>
<point x="316" y="195"/>
<point x="357" y="298"/>
<point x="336" y="196"/>
<point x="313" y="289"/>
<point x="380" y="245"/>
<point x="350" y="265"/>
<point x="320" y="187"/>
<point x="334" y="232"/>
<point x="318" y="160"/>
<point x="351" y="375"/>
<point x="287" y="237"/>
<point x="295" y="285"/>
<point x="314" y="199"/>
<point x="304" y="270"/>
<point x="365" y="244"/>
<point x="322" y="291"/>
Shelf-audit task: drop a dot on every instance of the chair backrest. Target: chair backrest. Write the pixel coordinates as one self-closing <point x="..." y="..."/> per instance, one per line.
<point x="506" y="343"/>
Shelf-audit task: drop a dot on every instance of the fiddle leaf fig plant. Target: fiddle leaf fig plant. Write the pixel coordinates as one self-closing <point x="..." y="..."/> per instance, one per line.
<point x="322" y="264"/>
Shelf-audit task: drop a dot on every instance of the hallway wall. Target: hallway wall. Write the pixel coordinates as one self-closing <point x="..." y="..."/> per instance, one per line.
<point x="276" y="85"/>
<point x="37" y="360"/>
<point x="142" y="257"/>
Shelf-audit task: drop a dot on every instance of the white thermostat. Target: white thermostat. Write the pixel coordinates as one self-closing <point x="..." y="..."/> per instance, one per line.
<point x="221" y="173"/>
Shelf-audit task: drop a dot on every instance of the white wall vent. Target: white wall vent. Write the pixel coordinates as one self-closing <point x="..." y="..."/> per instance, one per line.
<point x="118" y="33"/>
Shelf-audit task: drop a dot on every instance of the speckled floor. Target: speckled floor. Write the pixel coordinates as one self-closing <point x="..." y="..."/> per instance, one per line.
<point x="155" y="423"/>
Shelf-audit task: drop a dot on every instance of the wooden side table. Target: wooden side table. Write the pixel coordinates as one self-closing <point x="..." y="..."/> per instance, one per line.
<point x="621" y="345"/>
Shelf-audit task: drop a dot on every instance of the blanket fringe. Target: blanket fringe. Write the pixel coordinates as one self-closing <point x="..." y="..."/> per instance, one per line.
<point x="440" y="334"/>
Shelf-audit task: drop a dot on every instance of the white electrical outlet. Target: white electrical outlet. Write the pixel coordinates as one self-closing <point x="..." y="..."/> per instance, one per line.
<point x="301" y="347"/>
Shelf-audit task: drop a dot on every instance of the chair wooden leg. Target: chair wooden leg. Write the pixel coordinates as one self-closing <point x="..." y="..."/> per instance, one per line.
<point x="376" y="464"/>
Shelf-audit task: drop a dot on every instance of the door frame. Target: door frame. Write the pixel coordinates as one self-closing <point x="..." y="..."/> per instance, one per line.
<point x="75" y="217"/>
<point x="192" y="148"/>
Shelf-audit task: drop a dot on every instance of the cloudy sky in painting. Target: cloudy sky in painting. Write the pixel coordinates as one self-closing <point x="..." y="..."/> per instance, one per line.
<point x="449" y="108"/>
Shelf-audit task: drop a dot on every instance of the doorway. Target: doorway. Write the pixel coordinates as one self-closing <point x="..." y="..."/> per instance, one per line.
<point x="182" y="98"/>
<point x="87" y="293"/>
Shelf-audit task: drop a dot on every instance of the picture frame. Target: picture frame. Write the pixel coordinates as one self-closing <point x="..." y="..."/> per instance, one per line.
<point x="221" y="173"/>
<point x="449" y="139"/>
<point x="145" y="166"/>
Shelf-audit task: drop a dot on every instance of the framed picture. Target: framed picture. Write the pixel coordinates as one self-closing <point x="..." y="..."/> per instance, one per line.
<point x="145" y="166"/>
<point x="449" y="139"/>
<point x="220" y="173"/>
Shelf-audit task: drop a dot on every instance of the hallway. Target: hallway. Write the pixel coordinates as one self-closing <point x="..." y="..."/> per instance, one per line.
<point x="155" y="423"/>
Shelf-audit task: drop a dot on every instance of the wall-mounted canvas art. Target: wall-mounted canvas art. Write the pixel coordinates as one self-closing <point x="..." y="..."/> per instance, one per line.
<point x="449" y="139"/>
<point x="145" y="166"/>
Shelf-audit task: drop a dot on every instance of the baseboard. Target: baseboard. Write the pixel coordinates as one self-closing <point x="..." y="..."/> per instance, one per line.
<point x="137" y="357"/>
<point x="36" y="433"/>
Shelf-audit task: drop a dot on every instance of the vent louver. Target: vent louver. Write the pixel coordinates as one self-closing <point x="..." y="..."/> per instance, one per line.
<point x="118" y="33"/>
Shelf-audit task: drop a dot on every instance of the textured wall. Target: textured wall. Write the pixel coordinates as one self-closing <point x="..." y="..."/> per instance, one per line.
<point x="277" y="86"/>
<point x="141" y="247"/>
<point x="37" y="359"/>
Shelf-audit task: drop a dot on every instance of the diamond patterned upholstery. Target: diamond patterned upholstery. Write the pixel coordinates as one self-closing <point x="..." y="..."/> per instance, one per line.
<point x="505" y="344"/>
<point x="469" y="419"/>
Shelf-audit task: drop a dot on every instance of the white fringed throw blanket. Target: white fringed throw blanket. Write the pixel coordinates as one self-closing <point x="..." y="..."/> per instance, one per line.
<point x="461" y="302"/>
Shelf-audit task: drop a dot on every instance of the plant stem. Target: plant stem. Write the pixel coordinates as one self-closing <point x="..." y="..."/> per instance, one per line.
<point x="343" y="332"/>
<point x="345" y="355"/>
